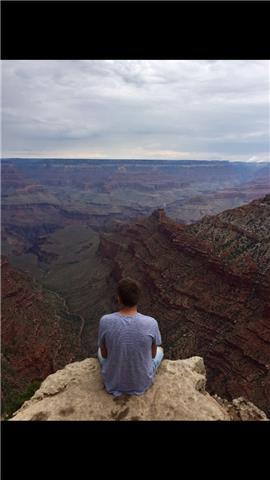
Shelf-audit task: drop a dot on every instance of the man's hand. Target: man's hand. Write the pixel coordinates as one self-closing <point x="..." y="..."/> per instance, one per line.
<point x="154" y="350"/>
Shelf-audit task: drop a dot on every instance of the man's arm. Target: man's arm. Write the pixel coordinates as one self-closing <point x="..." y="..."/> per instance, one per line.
<point x="156" y="339"/>
<point x="101" y="339"/>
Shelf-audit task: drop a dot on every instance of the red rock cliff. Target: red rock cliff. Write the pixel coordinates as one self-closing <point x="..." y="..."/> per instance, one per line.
<point x="208" y="285"/>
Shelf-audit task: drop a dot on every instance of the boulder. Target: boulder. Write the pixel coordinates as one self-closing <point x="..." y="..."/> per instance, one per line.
<point x="77" y="393"/>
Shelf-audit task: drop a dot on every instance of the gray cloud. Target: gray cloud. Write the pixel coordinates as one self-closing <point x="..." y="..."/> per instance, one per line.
<point x="136" y="109"/>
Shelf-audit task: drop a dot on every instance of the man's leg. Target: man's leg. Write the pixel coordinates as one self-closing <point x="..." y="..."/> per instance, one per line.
<point x="158" y="358"/>
<point x="100" y="358"/>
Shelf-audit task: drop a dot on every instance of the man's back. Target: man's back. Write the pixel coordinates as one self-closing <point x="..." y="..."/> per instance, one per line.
<point x="128" y="340"/>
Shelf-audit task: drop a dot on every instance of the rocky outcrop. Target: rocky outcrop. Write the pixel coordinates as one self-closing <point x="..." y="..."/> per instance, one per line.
<point x="77" y="393"/>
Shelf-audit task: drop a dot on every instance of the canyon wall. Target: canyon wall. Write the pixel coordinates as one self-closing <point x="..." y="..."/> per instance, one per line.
<point x="208" y="285"/>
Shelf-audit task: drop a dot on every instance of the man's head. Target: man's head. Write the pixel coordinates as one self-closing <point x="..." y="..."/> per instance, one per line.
<point x="129" y="292"/>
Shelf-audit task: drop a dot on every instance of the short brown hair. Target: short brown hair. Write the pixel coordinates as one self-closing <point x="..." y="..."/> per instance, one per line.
<point x="129" y="291"/>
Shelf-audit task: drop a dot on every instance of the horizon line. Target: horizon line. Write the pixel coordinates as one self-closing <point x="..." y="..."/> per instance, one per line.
<point x="135" y="159"/>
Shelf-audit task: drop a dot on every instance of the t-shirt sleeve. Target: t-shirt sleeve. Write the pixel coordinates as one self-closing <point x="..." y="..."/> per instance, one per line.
<point x="101" y="333"/>
<point x="156" y="334"/>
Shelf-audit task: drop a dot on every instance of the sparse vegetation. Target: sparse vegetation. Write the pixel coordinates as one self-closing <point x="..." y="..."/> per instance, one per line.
<point x="15" y="400"/>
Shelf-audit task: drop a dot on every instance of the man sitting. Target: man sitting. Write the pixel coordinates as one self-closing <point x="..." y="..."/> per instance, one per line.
<point x="128" y="341"/>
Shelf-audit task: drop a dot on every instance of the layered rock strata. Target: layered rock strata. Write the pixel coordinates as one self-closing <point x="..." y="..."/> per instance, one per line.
<point x="208" y="285"/>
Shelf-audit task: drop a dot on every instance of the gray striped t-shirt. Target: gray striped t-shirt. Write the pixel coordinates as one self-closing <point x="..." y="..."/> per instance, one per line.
<point x="128" y="368"/>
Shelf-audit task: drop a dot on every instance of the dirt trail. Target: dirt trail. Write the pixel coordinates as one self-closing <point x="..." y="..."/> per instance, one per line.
<point x="81" y="328"/>
<point x="63" y="300"/>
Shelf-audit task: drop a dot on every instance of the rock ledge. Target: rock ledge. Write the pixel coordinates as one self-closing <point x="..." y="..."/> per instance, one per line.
<point x="77" y="393"/>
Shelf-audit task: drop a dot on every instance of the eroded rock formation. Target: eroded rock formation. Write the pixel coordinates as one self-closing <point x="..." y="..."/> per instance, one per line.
<point x="38" y="334"/>
<point x="77" y="393"/>
<point x="208" y="285"/>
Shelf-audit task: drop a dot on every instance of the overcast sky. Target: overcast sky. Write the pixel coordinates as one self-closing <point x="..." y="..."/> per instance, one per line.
<point x="136" y="109"/>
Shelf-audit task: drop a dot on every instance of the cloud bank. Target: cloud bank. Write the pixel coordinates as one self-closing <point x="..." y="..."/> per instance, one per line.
<point x="136" y="109"/>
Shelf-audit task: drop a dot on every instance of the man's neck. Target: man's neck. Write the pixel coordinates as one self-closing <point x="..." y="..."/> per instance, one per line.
<point x="128" y="310"/>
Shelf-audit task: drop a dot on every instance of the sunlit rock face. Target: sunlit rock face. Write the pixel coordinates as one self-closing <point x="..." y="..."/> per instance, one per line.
<point x="178" y="393"/>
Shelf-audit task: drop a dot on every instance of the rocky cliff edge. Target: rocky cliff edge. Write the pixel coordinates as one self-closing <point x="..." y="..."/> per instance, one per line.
<point x="77" y="393"/>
